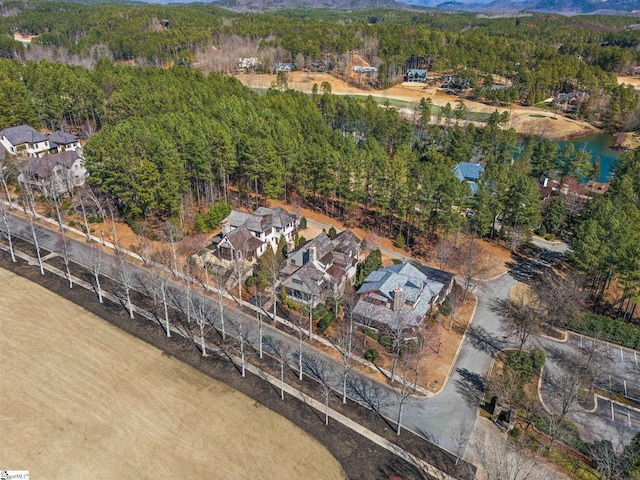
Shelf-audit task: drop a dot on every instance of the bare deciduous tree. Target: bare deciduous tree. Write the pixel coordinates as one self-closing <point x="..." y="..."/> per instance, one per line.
<point x="521" y="318"/>
<point x="562" y="296"/>
<point x="318" y="370"/>
<point x="500" y="460"/>
<point x="343" y="342"/>
<point x="95" y="260"/>
<point x="29" y="206"/>
<point x="123" y="272"/>
<point x="281" y="352"/>
<point x="472" y="264"/>
<point x="7" y="230"/>
<point x="202" y="317"/>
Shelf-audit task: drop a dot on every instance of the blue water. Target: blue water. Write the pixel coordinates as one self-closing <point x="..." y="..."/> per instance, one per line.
<point x="598" y="145"/>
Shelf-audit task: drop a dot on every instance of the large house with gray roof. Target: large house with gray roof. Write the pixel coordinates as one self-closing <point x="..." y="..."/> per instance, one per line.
<point x="26" y="140"/>
<point x="470" y="173"/>
<point x="321" y="267"/>
<point x="57" y="173"/>
<point x="247" y="235"/>
<point x="399" y="296"/>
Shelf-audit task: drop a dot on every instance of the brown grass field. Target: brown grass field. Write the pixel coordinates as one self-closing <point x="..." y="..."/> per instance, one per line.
<point x="81" y="399"/>
<point x="525" y="120"/>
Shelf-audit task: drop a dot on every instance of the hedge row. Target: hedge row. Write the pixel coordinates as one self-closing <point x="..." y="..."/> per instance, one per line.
<point x="607" y="328"/>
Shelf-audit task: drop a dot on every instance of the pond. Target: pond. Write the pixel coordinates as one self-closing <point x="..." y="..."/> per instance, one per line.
<point x="598" y="145"/>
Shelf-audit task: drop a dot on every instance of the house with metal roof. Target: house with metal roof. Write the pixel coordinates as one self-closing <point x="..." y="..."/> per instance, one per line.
<point x="469" y="172"/>
<point x="397" y="297"/>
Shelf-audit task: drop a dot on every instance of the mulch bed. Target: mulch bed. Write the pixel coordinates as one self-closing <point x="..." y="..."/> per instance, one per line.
<point x="360" y="458"/>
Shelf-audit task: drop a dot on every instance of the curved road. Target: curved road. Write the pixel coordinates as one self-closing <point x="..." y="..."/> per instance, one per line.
<point x="446" y="418"/>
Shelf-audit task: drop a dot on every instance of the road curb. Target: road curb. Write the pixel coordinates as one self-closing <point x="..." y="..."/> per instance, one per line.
<point x="455" y="358"/>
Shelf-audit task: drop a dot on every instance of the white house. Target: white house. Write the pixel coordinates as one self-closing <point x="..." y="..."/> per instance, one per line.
<point x="62" y="141"/>
<point x="24" y="139"/>
<point x="247" y="235"/>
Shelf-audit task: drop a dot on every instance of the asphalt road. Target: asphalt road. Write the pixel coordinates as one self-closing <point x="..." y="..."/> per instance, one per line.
<point x="446" y="418"/>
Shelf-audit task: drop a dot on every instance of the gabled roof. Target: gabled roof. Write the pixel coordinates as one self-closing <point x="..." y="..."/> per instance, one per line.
<point x="309" y="274"/>
<point x="346" y="242"/>
<point x="241" y="239"/>
<point x="321" y="242"/>
<point x="43" y="166"/>
<point x="567" y="97"/>
<point x="468" y="171"/>
<point x="61" y="138"/>
<point x="23" y="134"/>
<point x="418" y="290"/>
<point x="262" y="220"/>
<point x="436" y="274"/>
<point x="403" y="275"/>
<point x="277" y="216"/>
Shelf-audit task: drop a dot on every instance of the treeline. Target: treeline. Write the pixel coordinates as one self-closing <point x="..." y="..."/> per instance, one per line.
<point x="606" y="240"/>
<point x="539" y="55"/>
<point x="167" y="140"/>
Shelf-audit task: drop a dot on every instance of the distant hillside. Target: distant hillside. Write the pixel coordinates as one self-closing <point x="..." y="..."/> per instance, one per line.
<point x="567" y="7"/>
<point x="262" y="5"/>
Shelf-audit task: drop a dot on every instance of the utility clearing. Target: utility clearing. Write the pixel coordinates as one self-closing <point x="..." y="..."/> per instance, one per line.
<point x="82" y="399"/>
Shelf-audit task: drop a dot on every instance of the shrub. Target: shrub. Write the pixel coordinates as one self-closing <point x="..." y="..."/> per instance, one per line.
<point x="538" y="358"/>
<point x="371" y="354"/>
<point x="520" y="363"/>
<point x="332" y="232"/>
<point x="370" y="333"/>
<point x="325" y="321"/>
<point x="606" y="328"/>
<point x="303" y="223"/>
<point x="542" y="231"/>
<point x="72" y="223"/>
<point x="384" y="340"/>
<point x="550" y="236"/>
<point x="400" y="241"/>
<point x="249" y="282"/>
<point x="445" y="308"/>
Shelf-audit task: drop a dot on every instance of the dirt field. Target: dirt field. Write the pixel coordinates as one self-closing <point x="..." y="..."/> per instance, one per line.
<point x="107" y="405"/>
<point x="523" y="119"/>
<point x="634" y="81"/>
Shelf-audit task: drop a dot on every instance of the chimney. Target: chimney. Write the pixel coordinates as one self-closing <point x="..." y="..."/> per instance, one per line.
<point x="312" y="253"/>
<point x="398" y="299"/>
<point x="226" y="227"/>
